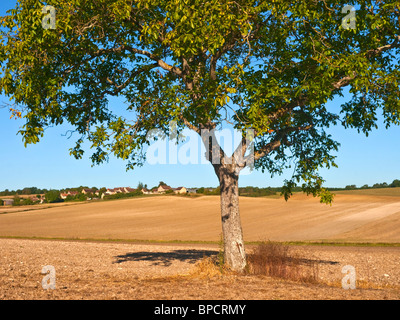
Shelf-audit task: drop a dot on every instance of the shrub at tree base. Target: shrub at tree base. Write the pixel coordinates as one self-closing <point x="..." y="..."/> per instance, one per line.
<point x="276" y="260"/>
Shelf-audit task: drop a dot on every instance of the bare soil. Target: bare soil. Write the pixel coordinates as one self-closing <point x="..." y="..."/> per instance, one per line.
<point x="101" y="270"/>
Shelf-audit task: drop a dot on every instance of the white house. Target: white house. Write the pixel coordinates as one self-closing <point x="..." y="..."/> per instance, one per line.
<point x="146" y="191"/>
<point x="180" y="190"/>
<point x="163" y="188"/>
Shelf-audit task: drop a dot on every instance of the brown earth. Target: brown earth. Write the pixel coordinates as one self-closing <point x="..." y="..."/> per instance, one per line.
<point x="89" y="270"/>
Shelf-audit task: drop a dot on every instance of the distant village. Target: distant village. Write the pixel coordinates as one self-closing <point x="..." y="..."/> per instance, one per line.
<point x="30" y="196"/>
<point x="88" y="194"/>
<point x="162" y="189"/>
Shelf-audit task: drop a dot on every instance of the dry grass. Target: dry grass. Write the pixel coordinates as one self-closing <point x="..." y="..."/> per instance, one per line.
<point x="270" y="259"/>
<point x="276" y="260"/>
<point x="208" y="268"/>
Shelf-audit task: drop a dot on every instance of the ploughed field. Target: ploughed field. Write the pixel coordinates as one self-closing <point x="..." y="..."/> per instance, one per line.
<point x="105" y="270"/>
<point x="353" y="217"/>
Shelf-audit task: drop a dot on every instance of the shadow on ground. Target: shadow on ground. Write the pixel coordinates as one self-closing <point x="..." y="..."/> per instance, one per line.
<point x="166" y="258"/>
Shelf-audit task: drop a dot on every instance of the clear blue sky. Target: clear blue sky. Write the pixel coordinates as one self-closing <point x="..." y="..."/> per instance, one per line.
<point x="47" y="164"/>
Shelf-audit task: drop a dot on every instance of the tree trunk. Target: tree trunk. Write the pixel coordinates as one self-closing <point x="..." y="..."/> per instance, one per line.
<point x="235" y="256"/>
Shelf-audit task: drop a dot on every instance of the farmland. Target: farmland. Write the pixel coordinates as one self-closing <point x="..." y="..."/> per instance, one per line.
<point x="354" y="216"/>
<point x="155" y="247"/>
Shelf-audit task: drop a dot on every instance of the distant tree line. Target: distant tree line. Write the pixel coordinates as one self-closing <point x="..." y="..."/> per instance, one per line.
<point x="258" y="192"/>
<point x="53" y="196"/>
<point x="24" y="191"/>
<point x="394" y="184"/>
<point x="209" y="191"/>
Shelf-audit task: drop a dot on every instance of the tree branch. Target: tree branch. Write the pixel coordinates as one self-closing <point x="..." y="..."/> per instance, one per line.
<point x="280" y="138"/>
<point x="377" y="51"/>
<point x="177" y="71"/>
<point x="119" y="88"/>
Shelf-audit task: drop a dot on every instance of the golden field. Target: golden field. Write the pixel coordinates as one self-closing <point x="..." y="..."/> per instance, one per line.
<point x="353" y="217"/>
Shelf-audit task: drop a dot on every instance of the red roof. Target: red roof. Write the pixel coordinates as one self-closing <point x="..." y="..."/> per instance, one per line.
<point x="164" y="186"/>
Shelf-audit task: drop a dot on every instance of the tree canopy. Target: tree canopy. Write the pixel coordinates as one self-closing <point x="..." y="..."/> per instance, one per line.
<point x="270" y="66"/>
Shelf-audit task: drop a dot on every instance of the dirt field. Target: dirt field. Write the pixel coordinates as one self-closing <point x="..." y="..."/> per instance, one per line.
<point x="86" y="270"/>
<point x="107" y="270"/>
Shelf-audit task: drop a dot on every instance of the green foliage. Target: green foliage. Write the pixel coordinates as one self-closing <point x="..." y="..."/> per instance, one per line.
<point x="256" y="192"/>
<point x="270" y="66"/>
<point x="17" y="201"/>
<point x="123" y="195"/>
<point x="140" y="186"/>
<point x="24" y="191"/>
<point x="395" y="183"/>
<point x="1" y="202"/>
<point x="78" y="197"/>
<point x="380" y="185"/>
<point x="70" y="198"/>
<point x="53" y="196"/>
<point x="200" y="190"/>
<point x="209" y="191"/>
<point x="27" y="202"/>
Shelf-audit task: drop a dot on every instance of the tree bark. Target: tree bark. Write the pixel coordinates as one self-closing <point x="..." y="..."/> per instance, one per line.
<point x="234" y="251"/>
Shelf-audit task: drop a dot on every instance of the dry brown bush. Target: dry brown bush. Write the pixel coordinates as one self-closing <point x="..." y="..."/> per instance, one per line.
<point x="278" y="261"/>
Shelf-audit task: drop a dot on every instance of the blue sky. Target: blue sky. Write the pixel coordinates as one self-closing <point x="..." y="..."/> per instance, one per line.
<point x="47" y="164"/>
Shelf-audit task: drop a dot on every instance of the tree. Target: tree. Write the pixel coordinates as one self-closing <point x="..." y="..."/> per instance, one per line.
<point x="53" y="196"/>
<point x="17" y="201"/>
<point x="265" y="68"/>
<point x="140" y="186"/>
<point x="395" y="183"/>
<point x="27" y="202"/>
<point x="200" y="190"/>
<point x="102" y="191"/>
<point x="81" y="197"/>
<point x="380" y="185"/>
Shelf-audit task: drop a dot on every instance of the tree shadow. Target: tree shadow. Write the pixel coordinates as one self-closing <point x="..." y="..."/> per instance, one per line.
<point x="312" y="261"/>
<point x="166" y="258"/>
